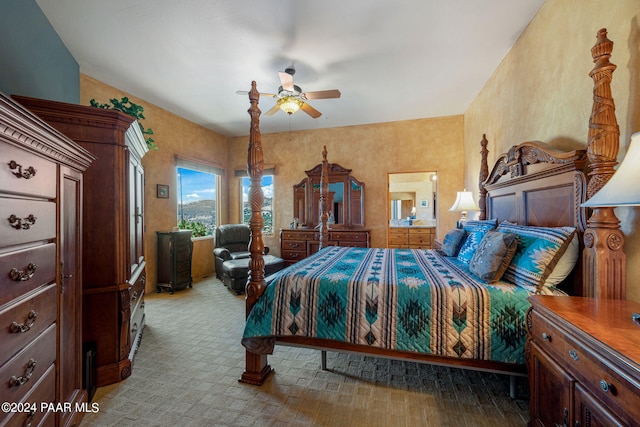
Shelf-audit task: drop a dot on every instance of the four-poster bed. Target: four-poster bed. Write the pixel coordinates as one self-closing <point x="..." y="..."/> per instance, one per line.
<point x="532" y="185"/>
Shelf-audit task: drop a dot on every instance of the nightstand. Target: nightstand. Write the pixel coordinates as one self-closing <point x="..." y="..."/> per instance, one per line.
<point x="583" y="357"/>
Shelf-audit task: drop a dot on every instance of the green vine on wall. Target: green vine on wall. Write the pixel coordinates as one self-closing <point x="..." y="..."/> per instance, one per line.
<point x="134" y="110"/>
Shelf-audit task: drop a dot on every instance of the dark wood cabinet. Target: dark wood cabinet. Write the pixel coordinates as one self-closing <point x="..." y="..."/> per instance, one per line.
<point x="113" y="266"/>
<point x="41" y="263"/>
<point x="583" y="357"/>
<point x="300" y="243"/>
<point x="174" y="260"/>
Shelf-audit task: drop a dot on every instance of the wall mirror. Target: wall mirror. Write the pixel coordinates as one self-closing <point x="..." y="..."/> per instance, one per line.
<point x="346" y="198"/>
<point x="413" y="198"/>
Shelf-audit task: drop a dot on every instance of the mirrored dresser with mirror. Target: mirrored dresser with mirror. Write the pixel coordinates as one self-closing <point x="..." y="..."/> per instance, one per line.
<point x="346" y="214"/>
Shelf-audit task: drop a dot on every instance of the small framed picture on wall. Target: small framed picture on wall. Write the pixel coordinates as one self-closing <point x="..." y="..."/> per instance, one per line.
<point x="162" y="191"/>
<point x="424" y="203"/>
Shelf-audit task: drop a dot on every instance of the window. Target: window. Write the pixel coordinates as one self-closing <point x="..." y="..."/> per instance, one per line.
<point x="267" y="207"/>
<point x="197" y="196"/>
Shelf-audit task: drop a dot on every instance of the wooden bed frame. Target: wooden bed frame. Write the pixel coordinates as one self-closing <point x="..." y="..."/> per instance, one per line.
<point x="532" y="184"/>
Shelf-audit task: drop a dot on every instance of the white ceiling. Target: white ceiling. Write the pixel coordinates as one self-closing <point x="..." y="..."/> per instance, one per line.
<point x="391" y="59"/>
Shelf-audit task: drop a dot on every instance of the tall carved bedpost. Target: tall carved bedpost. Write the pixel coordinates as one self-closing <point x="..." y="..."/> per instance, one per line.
<point x="324" y="192"/>
<point x="256" y="367"/>
<point x="484" y="174"/>
<point x="604" y="260"/>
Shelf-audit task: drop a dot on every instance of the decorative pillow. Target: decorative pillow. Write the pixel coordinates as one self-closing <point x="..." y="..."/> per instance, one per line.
<point x="493" y="255"/>
<point x="538" y="252"/>
<point x="475" y="232"/>
<point x="565" y="264"/>
<point x="452" y="241"/>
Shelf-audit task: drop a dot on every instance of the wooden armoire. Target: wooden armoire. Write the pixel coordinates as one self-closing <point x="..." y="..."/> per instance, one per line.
<point x="113" y="250"/>
<point x="41" y="270"/>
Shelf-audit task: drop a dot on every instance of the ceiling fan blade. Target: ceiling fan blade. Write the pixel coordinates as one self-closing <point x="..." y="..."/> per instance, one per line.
<point x="310" y="110"/>
<point x="321" y="94"/>
<point x="245" y="92"/>
<point x="272" y="111"/>
<point x="287" y="81"/>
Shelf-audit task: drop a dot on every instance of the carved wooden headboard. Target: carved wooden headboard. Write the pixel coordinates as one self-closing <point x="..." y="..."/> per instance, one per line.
<point x="535" y="184"/>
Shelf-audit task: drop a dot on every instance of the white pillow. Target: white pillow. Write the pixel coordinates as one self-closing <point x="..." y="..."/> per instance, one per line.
<point x="565" y="264"/>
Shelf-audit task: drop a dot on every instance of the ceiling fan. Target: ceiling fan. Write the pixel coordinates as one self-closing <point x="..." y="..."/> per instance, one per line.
<point x="290" y="98"/>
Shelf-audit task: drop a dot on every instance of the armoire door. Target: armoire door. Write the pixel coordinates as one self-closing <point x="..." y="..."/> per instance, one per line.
<point x="70" y="297"/>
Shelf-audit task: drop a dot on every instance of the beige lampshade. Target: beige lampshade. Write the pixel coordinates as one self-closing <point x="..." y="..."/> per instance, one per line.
<point x="464" y="202"/>
<point x="623" y="188"/>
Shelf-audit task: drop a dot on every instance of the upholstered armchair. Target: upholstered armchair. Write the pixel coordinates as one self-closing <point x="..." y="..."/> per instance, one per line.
<point x="232" y="242"/>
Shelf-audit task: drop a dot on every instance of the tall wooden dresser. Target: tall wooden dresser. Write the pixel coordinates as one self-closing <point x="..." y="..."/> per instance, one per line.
<point x="113" y="251"/>
<point x="174" y="260"/>
<point x="583" y="356"/>
<point x="41" y="269"/>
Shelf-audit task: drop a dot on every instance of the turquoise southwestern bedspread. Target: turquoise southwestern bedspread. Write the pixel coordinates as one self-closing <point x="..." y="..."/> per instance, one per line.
<point x="398" y="299"/>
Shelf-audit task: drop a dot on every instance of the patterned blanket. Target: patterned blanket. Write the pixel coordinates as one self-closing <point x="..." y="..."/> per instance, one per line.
<point x="398" y="299"/>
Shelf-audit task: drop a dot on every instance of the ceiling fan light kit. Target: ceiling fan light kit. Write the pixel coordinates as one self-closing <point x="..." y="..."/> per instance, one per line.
<point x="290" y="104"/>
<point x="290" y="97"/>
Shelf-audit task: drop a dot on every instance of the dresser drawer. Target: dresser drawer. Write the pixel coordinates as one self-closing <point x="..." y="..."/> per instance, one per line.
<point x="352" y="237"/>
<point x="23" y="221"/>
<point x="298" y="235"/>
<point x="137" y="320"/>
<point x="24" y="321"/>
<point x="137" y="289"/>
<point x="25" y="270"/>
<point x="421" y="230"/>
<point x="42" y="392"/>
<point x="289" y="255"/>
<point x="23" y="371"/>
<point x="422" y="240"/>
<point x="294" y="245"/>
<point x="27" y="174"/>
<point x="404" y="232"/>
<point x="395" y="239"/>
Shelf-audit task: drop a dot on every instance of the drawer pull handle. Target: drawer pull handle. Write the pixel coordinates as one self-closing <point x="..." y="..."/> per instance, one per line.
<point x="546" y="337"/>
<point x="24" y="275"/>
<point x="21" y="173"/>
<point x="22" y="223"/>
<point x="565" y="420"/>
<point x="295" y="245"/>
<point x="18" y="381"/>
<point x="294" y="255"/>
<point x="574" y="355"/>
<point x="29" y="420"/>
<point x="19" y="328"/>
<point x="134" y="296"/>
<point x="605" y="386"/>
<point x="134" y="329"/>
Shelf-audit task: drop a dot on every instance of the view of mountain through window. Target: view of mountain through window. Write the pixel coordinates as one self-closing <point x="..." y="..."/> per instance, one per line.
<point x="197" y="201"/>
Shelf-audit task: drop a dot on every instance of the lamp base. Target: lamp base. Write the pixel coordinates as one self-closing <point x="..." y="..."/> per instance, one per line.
<point x="462" y="220"/>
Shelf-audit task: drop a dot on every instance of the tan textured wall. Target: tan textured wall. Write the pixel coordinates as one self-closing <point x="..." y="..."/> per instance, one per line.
<point x="173" y="135"/>
<point x="542" y="91"/>
<point x="371" y="151"/>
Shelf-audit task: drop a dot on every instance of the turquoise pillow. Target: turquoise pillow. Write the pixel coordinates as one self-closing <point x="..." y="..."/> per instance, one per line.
<point x="537" y="253"/>
<point x="453" y="241"/>
<point x="475" y="230"/>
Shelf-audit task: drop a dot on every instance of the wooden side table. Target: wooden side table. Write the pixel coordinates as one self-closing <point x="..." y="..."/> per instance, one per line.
<point x="583" y="357"/>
